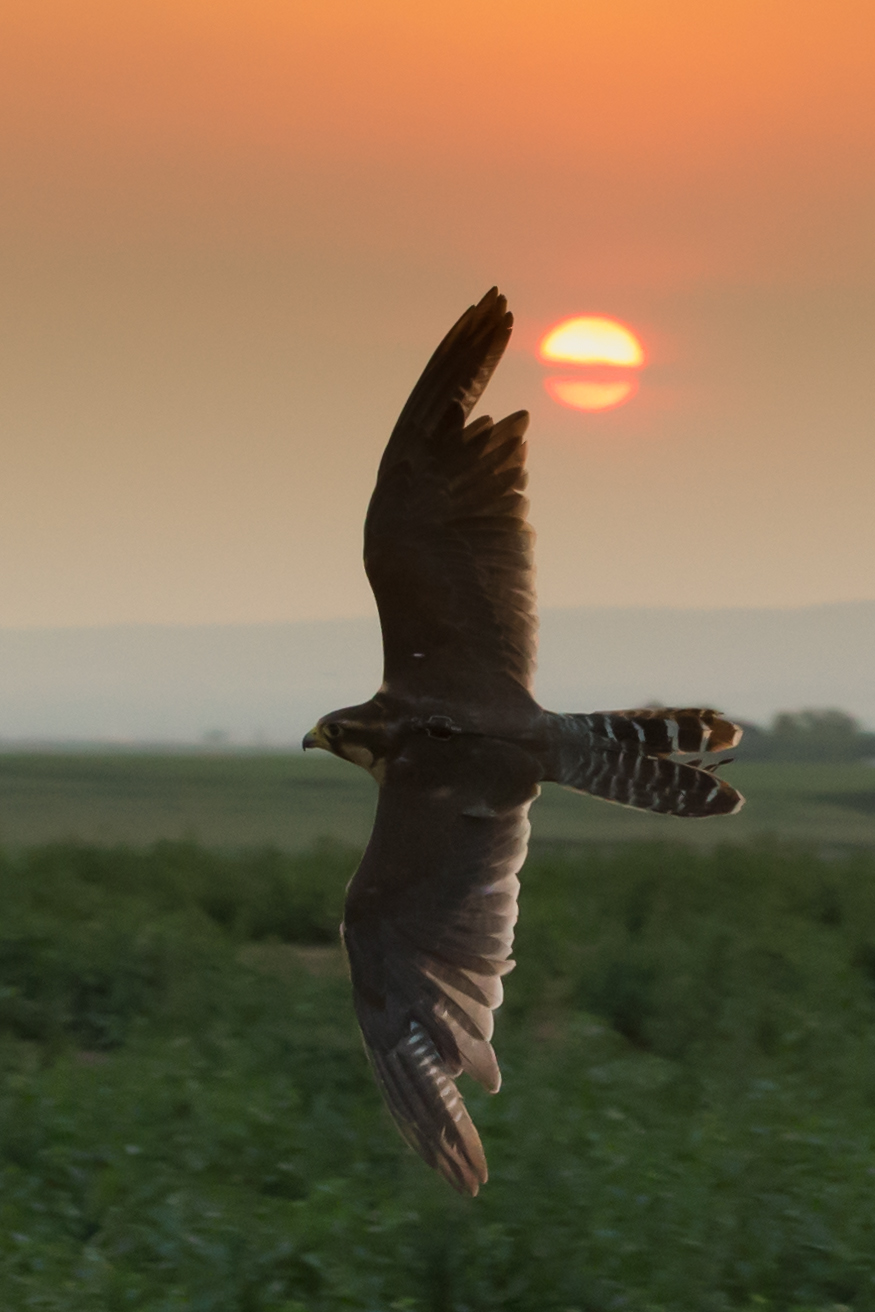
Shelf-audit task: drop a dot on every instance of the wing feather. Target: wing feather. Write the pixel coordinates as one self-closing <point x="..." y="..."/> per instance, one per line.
<point x="448" y="550"/>
<point x="429" y="1111"/>
<point x="428" y="927"/>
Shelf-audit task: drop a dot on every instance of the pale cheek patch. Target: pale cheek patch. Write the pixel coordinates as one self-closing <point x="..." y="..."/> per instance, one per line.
<point x="358" y="755"/>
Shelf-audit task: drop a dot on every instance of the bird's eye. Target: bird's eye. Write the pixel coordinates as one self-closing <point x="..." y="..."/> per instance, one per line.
<point x="332" y="730"/>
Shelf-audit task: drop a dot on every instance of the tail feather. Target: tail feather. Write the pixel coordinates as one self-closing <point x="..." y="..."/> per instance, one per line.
<point x="652" y="783"/>
<point x="663" y="730"/>
<point x="623" y="757"/>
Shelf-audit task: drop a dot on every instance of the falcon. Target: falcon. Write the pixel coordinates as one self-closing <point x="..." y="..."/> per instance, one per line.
<point x="459" y="747"/>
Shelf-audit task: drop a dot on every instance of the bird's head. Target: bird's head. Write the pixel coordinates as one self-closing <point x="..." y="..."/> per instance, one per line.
<point x="355" y="734"/>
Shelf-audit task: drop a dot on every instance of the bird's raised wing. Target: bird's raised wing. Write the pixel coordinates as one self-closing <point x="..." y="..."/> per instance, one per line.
<point x="428" y="927"/>
<point x="448" y="551"/>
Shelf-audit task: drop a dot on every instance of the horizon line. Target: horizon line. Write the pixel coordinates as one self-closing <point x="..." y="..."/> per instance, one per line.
<point x="349" y="619"/>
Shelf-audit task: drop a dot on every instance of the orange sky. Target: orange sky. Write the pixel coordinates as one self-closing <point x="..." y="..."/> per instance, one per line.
<point x="233" y="232"/>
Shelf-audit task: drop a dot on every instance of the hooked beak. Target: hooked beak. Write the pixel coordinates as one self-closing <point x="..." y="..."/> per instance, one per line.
<point x="315" y="738"/>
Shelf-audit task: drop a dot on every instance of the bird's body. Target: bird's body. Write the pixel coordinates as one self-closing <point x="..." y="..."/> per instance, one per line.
<point x="459" y="747"/>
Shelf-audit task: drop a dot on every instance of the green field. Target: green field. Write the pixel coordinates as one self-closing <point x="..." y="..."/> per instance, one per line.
<point x="291" y="801"/>
<point x="188" y="1122"/>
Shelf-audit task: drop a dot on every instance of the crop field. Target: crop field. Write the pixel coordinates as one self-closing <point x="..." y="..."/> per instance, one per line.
<point x="291" y="801"/>
<point x="188" y="1121"/>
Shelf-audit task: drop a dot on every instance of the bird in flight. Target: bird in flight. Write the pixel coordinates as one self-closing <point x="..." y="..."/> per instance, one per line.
<point x="459" y="747"/>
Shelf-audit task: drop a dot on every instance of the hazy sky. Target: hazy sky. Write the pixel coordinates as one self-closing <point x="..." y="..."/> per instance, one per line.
<point x="234" y="230"/>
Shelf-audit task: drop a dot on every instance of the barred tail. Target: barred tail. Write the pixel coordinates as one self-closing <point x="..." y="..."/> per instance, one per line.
<point x="663" y="730"/>
<point x="622" y="756"/>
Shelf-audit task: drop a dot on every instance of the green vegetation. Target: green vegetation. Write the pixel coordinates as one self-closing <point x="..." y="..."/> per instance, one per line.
<point x="221" y="800"/>
<point x="187" y="1119"/>
<point x="228" y="801"/>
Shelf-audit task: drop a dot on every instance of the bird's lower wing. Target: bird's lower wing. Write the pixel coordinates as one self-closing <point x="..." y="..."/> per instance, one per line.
<point x="428" y="927"/>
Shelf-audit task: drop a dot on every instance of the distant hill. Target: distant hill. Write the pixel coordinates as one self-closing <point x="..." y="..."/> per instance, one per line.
<point x="750" y="663"/>
<point x="268" y="682"/>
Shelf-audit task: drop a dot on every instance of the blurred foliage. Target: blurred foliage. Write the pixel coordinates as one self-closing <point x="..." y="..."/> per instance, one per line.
<point x="188" y="1121"/>
<point x="829" y="736"/>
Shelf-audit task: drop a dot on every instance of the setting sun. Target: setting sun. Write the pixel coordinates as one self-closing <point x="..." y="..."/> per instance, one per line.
<point x="581" y="394"/>
<point x="592" y="339"/>
<point x="608" y="356"/>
